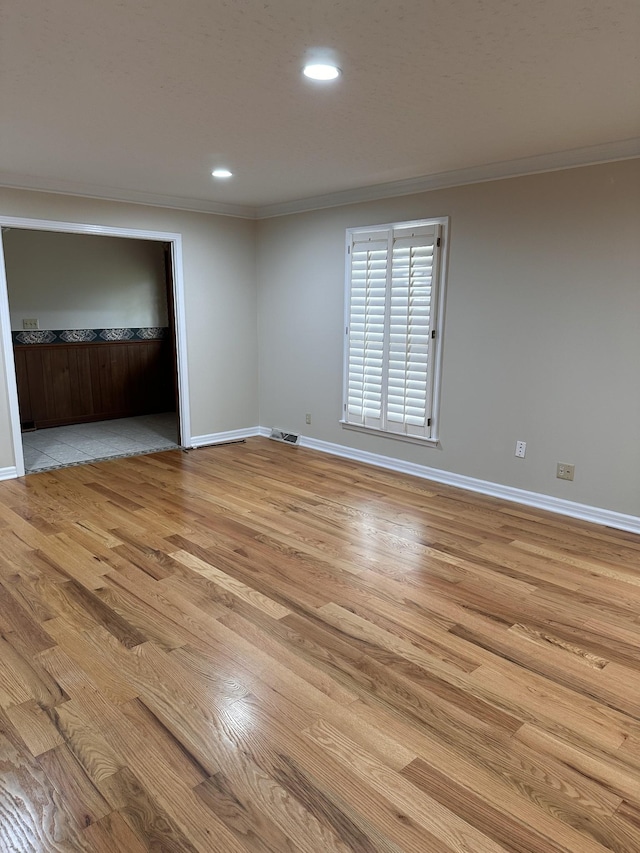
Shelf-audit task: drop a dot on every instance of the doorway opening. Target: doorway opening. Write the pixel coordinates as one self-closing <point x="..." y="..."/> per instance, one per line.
<point x="103" y="374"/>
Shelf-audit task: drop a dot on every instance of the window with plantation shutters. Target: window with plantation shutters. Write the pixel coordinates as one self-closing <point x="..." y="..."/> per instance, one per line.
<point x="394" y="319"/>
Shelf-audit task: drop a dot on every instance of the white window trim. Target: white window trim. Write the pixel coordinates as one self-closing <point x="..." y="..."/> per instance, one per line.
<point x="398" y="436"/>
<point x="432" y="440"/>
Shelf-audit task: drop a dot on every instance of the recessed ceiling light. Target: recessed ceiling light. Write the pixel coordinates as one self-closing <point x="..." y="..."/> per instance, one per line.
<point x="321" y="71"/>
<point x="222" y="173"/>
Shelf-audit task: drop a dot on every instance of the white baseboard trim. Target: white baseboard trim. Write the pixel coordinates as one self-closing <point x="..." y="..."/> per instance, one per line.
<point x="597" y="515"/>
<point x="585" y="512"/>
<point x="223" y="437"/>
<point x="8" y="473"/>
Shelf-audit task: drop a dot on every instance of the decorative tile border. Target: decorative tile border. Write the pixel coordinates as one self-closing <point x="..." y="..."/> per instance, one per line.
<point x="88" y="336"/>
<point x="74" y="336"/>
<point x="45" y="337"/>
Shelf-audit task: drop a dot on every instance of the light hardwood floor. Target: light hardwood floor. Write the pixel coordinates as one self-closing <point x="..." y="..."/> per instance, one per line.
<point x="261" y="648"/>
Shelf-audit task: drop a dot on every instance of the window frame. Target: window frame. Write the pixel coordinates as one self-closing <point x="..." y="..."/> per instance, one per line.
<point x="434" y="375"/>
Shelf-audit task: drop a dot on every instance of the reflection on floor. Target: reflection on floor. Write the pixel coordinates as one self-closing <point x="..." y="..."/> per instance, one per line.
<point x="71" y="445"/>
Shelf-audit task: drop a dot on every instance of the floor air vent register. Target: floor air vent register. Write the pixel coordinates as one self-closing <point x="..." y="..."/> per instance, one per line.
<point x="286" y="437"/>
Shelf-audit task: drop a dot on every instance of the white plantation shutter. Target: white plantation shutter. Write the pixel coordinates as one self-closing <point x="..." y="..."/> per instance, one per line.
<point x="393" y="288"/>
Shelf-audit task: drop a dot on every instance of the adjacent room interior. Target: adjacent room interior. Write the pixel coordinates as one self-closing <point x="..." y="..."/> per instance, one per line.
<point x="94" y="349"/>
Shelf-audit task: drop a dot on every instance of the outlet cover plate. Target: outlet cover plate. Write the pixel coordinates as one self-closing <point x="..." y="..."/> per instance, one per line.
<point x="565" y="471"/>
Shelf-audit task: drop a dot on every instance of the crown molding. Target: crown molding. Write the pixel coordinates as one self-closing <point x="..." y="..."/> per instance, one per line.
<point x="76" y="188"/>
<point x="590" y="156"/>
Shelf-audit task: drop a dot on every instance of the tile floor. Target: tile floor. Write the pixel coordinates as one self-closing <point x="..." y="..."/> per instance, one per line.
<point x="71" y="445"/>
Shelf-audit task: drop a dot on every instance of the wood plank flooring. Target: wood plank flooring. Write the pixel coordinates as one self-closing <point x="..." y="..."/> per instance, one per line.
<point x="258" y="648"/>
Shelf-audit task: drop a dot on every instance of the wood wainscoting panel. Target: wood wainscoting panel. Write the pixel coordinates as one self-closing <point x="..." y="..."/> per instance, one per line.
<point x="74" y="383"/>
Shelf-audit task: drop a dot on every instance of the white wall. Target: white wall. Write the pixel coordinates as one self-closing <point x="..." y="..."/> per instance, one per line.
<point x="220" y="301"/>
<point x="542" y="337"/>
<point x="82" y="281"/>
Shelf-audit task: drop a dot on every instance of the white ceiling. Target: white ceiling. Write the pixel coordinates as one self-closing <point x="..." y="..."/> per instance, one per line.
<point x="142" y="98"/>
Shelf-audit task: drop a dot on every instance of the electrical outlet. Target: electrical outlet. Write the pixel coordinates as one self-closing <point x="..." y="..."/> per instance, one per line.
<point x="30" y="324"/>
<point x="565" y="471"/>
<point x="521" y="448"/>
<point x="307" y="418"/>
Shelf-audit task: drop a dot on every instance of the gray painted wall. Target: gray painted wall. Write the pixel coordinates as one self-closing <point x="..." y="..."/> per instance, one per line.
<point x="82" y="281"/>
<point x="542" y="335"/>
